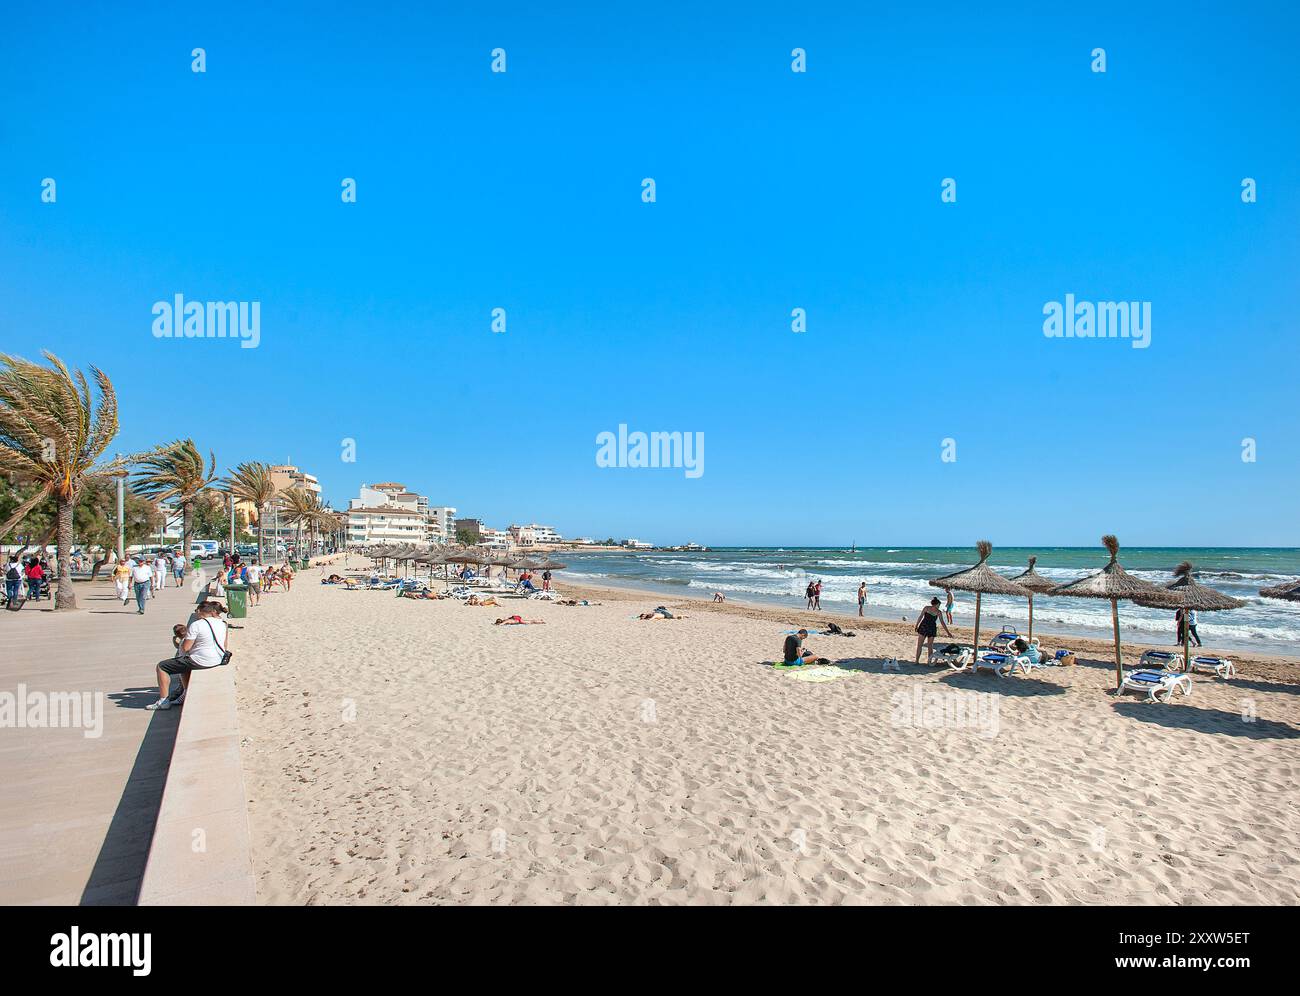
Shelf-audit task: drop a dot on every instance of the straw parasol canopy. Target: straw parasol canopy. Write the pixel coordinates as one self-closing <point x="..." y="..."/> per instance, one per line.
<point x="1114" y="584"/>
<point x="1185" y="592"/>
<point x="1289" y="592"/>
<point x="547" y="564"/>
<point x="1036" y="585"/>
<point x="982" y="580"/>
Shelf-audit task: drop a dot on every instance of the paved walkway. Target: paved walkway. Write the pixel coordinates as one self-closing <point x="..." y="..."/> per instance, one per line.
<point x="79" y="812"/>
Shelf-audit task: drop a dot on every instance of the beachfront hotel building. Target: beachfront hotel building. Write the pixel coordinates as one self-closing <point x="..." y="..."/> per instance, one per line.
<point x="534" y="535"/>
<point x="386" y="524"/>
<point x="391" y="510"/>
<point x="442" y="524"/>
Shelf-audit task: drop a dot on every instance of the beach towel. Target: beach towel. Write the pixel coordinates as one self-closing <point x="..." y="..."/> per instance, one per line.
<point x="830" y="673"/>
<point x="796" y="666"/>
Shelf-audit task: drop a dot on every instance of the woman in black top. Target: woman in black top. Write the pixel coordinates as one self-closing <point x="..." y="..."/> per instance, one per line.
<point x="927" y="624"/>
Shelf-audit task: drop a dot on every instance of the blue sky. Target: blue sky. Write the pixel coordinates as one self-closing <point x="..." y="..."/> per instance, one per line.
<point x="775" y="190"/>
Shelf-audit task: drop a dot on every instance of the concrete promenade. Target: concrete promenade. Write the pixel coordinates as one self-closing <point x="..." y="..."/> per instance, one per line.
<point x="79" y="811"/>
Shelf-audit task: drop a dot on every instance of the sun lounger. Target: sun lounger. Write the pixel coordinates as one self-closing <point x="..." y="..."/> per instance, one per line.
<point x="1156" y="683"/>
<point x="1002" y="641"/>
<point x="955" y="655"/>
<point x="1220" y="666"/>
<point x="1161" y="659"/>
<point x="1000" y="664"/>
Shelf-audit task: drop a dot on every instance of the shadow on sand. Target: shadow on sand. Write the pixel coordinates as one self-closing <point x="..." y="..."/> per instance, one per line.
<point x="1186" y="716"/>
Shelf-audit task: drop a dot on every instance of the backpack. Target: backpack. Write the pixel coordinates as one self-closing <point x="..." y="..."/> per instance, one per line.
<point x="13" y="573"/>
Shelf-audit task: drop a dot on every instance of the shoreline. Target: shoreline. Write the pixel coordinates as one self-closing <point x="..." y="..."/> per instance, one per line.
<point x="1274" y="667"/>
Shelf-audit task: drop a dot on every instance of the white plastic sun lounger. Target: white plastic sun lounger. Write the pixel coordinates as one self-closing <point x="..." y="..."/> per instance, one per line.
<point x="1160" y="659"/>
<point x="1220" y="666"/>
<point x="1156" y="683"/>
<point x="956" y="656"/>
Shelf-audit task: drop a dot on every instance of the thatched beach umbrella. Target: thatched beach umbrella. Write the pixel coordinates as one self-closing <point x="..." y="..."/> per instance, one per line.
<point x="982" y="580"/>
<point x="1036" y="584"/>
<point x="547" y="564"/>
<point x="1185" y="592"/>
<point x="1114" y="584"/>
<point x="1289" y="592"/>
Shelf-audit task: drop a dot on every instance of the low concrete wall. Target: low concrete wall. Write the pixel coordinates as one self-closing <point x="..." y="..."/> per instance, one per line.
<point x="201" y="853"/>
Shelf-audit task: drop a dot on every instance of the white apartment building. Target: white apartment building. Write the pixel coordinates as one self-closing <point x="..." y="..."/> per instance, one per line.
<point x="442" y="524"/>
<point x="496" y="539"/>
<point x="438" y="522"/>
<point x="386" y="524"/>
<point x="533" y="534"/>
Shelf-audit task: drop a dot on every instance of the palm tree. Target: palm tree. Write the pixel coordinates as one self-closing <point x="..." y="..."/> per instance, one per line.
<point x="301" y="508"/>
<point x="52" y="432"/>
<point x="251" y="482"/>
<point x="177" y="474"/>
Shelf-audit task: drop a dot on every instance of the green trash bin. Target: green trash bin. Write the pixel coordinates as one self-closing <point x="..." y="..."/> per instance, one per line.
<point x="303" y="564"/>
<point x="237" y="600"/>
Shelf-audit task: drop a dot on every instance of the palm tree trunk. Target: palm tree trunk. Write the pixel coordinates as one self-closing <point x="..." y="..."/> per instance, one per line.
<point x="187" y="527"/>
<point x="64" y="597"/>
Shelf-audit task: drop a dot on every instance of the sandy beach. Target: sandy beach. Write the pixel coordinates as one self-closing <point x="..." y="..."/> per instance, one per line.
<point x="401" y="751"/>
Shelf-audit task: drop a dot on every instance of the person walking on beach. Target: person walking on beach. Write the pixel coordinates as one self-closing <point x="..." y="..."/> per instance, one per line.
<point x="142" y="578"/>
<point x="927" y="624"/>
<point x="1178" y="627"/>
<point x="809" y="593"/>
<point x="947" y="608"/>
<point x="1191" y="626"/>
<point x="122" y="580"/>
<point x="862" y="596"/>
<point x="817" y="595"/>
<point x="546" y="580"/>
<point x="13" y="580"/>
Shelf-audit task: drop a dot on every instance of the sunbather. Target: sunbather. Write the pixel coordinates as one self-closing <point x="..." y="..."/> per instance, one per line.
<point x="518" y="621"/>
<point x="476" y="600"/>
<point x="659" y="613"/>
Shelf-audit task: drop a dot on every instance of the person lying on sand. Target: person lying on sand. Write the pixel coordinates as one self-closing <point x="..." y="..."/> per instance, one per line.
<point x="476" y="600"/>
<point x="660" y="613"/>
<point x="577" y="601"/>
<point x="518" y="621"/>
<point x="333" y="579"/>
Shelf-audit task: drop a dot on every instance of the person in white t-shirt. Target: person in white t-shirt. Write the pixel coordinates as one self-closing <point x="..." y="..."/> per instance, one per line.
<point x="255" y="571"/>
<point x="159" y="572"/>
<point x="142" y="579"/>
<point x="203" y="647"/>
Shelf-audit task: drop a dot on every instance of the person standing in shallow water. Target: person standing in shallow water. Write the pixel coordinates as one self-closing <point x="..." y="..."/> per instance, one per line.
<point x="862" y="596"/>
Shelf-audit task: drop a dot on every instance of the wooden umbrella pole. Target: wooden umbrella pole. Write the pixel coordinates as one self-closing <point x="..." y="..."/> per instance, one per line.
<point x="1186" y="635"/>
<point x="1031" y="616"/>
<point x="977" y="628"/>
<point x="1119" y="666"/>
